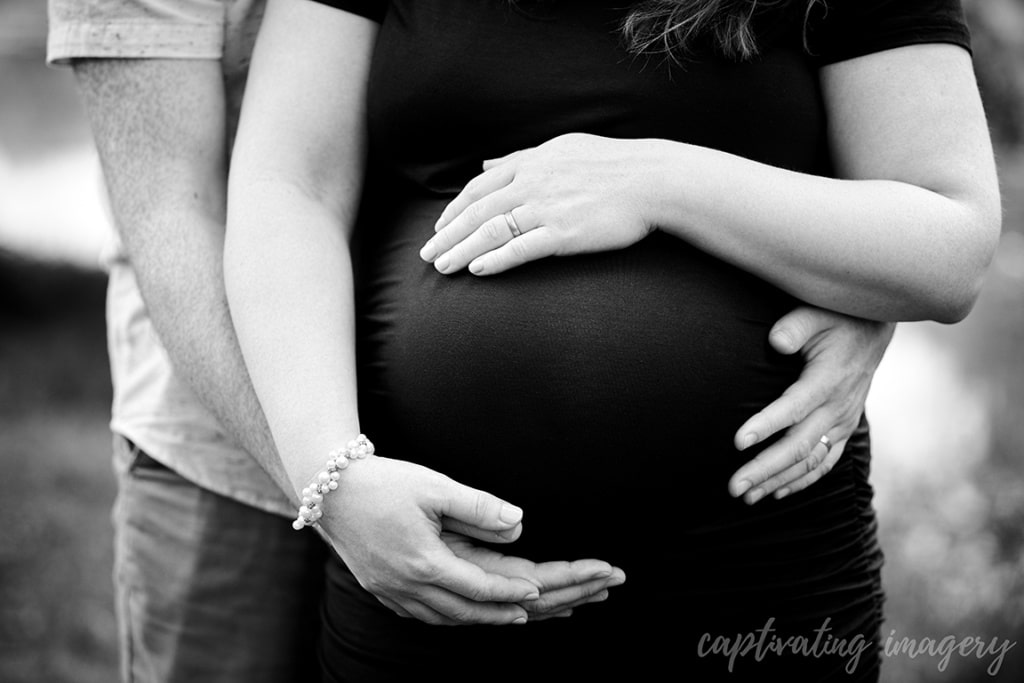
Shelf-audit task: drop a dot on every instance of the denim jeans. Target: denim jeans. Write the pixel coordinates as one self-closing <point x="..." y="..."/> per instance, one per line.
<point x="209" y="589"/>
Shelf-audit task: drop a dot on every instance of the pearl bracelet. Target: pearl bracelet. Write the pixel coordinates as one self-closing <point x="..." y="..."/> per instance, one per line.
<point x="326" y="480"/>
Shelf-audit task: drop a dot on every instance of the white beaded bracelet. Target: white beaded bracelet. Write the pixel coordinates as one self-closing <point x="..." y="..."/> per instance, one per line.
<point x="326" y="480"/>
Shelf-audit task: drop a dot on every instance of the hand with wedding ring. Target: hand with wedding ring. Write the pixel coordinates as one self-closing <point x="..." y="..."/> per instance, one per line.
<point x="574" y="194"/>
<point x="583" y="193"/>
<point x="820" y="410"/>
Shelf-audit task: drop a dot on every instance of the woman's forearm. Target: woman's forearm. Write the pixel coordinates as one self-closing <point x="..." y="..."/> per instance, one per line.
<point x="907" y="237"/>
<point x="904" y="232"/>
<point x="293" y="191"/>
<point x="877" y="249"/>
<point x="290" y="293"/>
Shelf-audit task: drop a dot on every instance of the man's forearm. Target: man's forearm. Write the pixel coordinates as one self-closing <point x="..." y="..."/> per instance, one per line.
<point x="182" y="284"/>
<point x="160" y="130"/>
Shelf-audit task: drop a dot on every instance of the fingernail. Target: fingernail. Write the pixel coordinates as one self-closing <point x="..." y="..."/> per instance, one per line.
<point x="476" y="267"/>
<point x="428" y="252"/>
<point x="532" y="596"/>
<point x="510" y="514"/>
<point x="748" y="440"/>
<point x="781" y="493"/>
<point x="741" y="488"/>
<point x="519" y="620"/>
<point x="755" y="496"/>
<point x="442" y="263"/>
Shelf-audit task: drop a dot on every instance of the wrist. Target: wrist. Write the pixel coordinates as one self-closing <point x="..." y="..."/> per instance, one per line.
<point x="664" y="190"/>
<point x="305" y="439"/>
<point x="327" y="480"/>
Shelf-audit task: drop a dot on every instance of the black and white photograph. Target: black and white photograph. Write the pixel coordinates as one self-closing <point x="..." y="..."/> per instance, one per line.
<point x="379" y="341"/>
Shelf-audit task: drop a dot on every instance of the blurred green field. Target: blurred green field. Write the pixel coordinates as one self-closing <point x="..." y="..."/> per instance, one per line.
<point x="946" y="409"/>
<point x="56" y="617"/>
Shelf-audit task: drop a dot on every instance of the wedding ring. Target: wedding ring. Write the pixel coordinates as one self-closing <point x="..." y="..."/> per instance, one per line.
<point x="826" y="442"/>
<point x="510" y="220"/>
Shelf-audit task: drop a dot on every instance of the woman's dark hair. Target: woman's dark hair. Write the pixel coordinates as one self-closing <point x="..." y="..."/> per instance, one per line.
<point x="672" y="27"/>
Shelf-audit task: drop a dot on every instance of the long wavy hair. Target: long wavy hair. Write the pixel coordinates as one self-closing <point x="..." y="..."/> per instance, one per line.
<point x="673" y="27"/>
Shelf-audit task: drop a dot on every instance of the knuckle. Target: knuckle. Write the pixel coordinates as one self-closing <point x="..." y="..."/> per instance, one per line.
<point x="471" y="190"/>
<point x="480" y="506"/>
<point x="756" y="477"/>
<point x="766" y="459"/>
<point x="797" y="406"/>
<point x="798" y="325"/>
<point x="795" y="327"/>
<point x="541" y="605"/>
<point x="473" y="214"/>
<point x="800" y="484"/>
<point x="476" y="593"/>
<point x="519" y="249"/>
<point x="802" y="451"/>
<point x="791" y="403"/>
<point x="759" y="469"/>
<point x="460" y="616"/>
<point x="443" y="240"/>
<point x="421" y="570"/>
<point x="577" y="569"/>
<point x="769" y="420"/>
<point x="847" y="426"/>
<point x="435" y="619"/>
<point x="493" y="232"/>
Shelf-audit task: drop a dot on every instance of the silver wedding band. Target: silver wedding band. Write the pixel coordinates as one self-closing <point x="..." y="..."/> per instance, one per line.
<point x="510" y="220"/>
<point x="826" y="442"/>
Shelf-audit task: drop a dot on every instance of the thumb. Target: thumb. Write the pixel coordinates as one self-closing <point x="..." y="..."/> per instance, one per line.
<point x="796" y="328"/>
<point x="480" y="509"/>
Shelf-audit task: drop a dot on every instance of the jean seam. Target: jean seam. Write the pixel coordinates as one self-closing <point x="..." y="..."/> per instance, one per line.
<point x="130" y="630"/>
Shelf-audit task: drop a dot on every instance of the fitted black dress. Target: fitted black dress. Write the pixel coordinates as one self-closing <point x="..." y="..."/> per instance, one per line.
<point x="601" y="392"/>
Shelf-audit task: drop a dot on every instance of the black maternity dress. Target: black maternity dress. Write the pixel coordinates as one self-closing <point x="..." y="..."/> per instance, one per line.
<point x="601" y="392"/>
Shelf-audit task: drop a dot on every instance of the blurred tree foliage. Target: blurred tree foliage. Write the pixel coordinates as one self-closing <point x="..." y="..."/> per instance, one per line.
<point x="997" y="28"/>
<point x="53" y="341"/>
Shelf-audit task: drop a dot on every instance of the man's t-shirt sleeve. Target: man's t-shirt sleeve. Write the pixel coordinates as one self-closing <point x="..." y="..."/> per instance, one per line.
<point x="184" y="29"/>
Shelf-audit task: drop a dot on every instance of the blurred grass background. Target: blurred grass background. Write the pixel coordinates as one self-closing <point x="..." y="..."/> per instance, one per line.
<point x="946" y="405"/>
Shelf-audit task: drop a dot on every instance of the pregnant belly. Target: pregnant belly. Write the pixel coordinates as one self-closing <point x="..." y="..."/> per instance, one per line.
<point x="606" y="374"/>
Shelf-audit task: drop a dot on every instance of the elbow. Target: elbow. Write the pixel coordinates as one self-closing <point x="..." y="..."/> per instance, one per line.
<point x="947" y="302"/>
<point x="954" y="307"/>
<point x="968" y="266"/>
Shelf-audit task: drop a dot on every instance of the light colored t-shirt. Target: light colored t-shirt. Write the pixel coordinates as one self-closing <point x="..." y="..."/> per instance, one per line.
<point x="152" y="406"/>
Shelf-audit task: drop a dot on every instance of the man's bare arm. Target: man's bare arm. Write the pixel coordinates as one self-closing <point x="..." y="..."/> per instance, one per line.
<point x="159" y="127"/>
